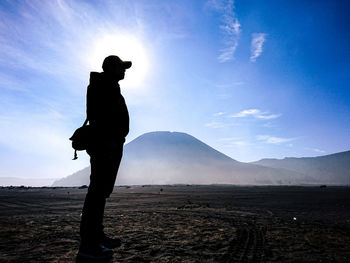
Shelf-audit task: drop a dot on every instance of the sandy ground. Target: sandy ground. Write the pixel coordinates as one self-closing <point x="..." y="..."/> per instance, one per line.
<point x="183" y="224"/>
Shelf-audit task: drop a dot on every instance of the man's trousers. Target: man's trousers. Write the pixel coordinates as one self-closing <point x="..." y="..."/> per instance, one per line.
<point x="105" y="163"/>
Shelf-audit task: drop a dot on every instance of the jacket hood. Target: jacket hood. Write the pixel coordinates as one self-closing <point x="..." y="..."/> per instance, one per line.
<point x="100" y="79"/>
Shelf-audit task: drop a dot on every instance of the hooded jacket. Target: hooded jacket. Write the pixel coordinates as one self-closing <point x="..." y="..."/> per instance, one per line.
<point x="105" y="108"/>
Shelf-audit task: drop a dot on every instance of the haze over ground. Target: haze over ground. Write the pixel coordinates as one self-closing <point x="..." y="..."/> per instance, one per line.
<point x="179" y="158"/>
<point x="253" y="79"/>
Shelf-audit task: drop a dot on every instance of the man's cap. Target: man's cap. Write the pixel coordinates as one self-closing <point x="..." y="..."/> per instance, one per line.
<point x="115" y="60"/>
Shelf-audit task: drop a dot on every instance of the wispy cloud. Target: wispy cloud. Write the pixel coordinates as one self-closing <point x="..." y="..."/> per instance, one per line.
<point x="224" y="96"/>
<point x="229" y="85"/>
<point x="255" y="113"/>
<point x="315" y="150"/>
<point x="245" y="113"/>
<point x="268" y="125"/>
<point x="45" y="47"/>
<point x="42" y="35"/>
<point x="215" y="124"/>
<point x="256" y="47"/>
<point x="240" y="143"/>
<point x="272" y="139"/>
<point x="268" y="116"/>
<point x="229" y="139"/>
<point x="227" y="53"/>
<point x="220" y="113"/>
<point x="230" y="27"/>
<point x="14" y="84"/>
<point x="233" y="141"/>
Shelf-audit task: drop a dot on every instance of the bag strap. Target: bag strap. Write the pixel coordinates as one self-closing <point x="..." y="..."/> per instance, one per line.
<point x="75" y="155"/>
<point x="85" y="122"/>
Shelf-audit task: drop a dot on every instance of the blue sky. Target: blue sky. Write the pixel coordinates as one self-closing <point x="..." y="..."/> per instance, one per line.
<point x="252" y="79"/>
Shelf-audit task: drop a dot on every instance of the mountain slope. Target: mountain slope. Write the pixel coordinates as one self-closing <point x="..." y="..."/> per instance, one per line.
<point x="179" y="158"/>
<point x="330" y="169"/>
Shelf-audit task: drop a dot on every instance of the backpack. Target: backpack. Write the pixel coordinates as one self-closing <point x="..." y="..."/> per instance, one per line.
<point x="80" y="138"/>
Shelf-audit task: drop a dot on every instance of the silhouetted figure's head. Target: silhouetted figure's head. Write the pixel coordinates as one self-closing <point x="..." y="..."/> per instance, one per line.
<point x="114" y="67"/>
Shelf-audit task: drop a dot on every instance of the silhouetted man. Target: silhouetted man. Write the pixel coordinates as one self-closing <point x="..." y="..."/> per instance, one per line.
<point x="109" y="121"/>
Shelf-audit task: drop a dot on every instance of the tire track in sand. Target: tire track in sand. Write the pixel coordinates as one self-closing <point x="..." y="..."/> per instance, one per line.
<point x="248" y="246"/>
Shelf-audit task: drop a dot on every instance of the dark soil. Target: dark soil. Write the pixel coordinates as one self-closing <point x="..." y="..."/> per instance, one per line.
<point x="183" y="224"/>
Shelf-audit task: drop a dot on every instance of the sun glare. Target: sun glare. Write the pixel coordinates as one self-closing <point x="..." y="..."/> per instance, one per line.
<point x="128" y="48"/>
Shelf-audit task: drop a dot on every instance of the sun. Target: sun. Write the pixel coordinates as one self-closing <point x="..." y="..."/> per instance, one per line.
<point x="128" y="48"/>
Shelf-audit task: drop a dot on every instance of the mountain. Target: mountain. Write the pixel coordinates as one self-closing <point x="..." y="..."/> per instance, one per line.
<point x="327" y="169"/>
<point x="179" y="158"/>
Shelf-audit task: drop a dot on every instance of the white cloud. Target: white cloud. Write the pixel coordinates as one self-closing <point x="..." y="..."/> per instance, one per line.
<point x="255" y="113"/>
<point x="228" y="85"/>
<point x="245" y="113"/>
<point x="233" y="141"/>
<point x="43" y="36"/>
<point x="237" y="143"/>
<point x="315" y="150"/>
<point x="44" y="50"/>
<point x="272" y="139"/>
<point x="220" y="113"/>
<point x="241" y="143"/>
<point x="224" y="96"/>
<point x="215" y="124"/>
<point x="256" y="47"/>
<point x="13" y="84"/>
<point x="268" y="125"/>
<point x="227" y="53"/>
<point x="268" y="117"/>
<point x="230" y="27"/>
<point x="218" y="124"/>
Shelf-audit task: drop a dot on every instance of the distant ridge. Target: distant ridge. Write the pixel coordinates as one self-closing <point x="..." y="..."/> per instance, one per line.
<point x="18" y="181"/>
<point x="178" y="158"/>
<point x="328" y="169"/>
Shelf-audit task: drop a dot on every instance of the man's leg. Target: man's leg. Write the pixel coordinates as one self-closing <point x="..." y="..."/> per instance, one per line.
<point x="104" y="168"/>
<point x="95" y="201"/>
<point x="92" y="215"/>
<point x="112" y="164"/>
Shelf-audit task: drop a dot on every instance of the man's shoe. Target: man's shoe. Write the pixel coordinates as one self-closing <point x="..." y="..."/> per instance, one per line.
<point x="94" y="252"/>
<point x="110" y="242"/>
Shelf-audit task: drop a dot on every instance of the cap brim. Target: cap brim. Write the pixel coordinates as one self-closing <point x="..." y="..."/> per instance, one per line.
<point x="127" y="64"/>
